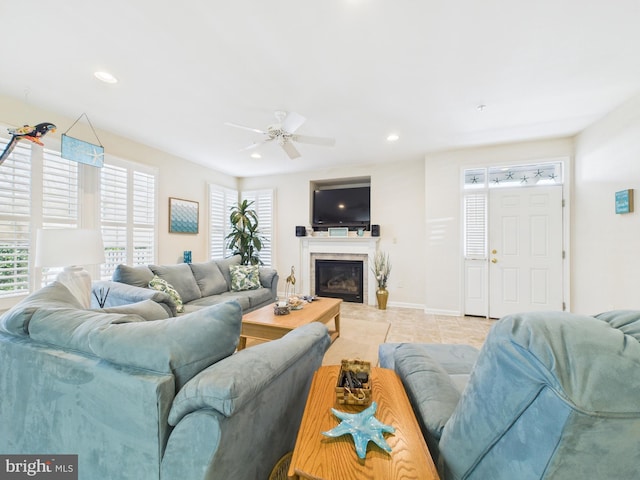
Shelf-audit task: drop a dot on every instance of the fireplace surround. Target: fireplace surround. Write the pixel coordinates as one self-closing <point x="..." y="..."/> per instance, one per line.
<point x="342" y="248"/>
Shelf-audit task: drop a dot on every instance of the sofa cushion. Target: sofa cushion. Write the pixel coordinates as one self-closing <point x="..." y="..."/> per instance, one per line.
<point x="181" y="278"/>
<point x="209" y="278"/>
<point x="162" y="285"/>
<point x="147" y="309"/>
<point x="224" y="265"/>
<point x="55" y="295"/>
<point x="244" y="277"/>
<point x="432" y="393"/>
<point x="139" y="276"/>
<point x="182" y="345"/>
<point x="69" y="328"/>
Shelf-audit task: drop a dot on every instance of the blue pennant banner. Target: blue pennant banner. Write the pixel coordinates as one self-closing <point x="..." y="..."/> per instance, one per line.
<point x="81" y="151"/>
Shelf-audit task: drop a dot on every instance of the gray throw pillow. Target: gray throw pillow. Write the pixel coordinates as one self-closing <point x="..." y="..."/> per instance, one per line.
<point x="139" y="276"/>
<point x="179" y="277"/>
<point x="209" y="278"/>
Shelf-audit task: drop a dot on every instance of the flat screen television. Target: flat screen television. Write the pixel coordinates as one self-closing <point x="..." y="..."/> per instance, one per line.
<point x="341" y="207"/>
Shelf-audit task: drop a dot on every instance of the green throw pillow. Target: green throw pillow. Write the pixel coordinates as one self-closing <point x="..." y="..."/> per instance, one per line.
<point x="244" y="277"/>
<point x="162" y="285"/>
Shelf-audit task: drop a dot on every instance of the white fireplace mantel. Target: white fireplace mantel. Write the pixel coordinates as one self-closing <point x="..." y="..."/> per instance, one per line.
<point x="337" y="245"/>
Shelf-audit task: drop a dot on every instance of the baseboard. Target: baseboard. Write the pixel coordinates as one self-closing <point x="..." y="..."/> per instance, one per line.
<point x="448" y="313"/>
<point x="415" y="306"/>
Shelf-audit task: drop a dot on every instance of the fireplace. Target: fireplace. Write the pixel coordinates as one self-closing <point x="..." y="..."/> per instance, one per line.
<point x="340" y="279"/>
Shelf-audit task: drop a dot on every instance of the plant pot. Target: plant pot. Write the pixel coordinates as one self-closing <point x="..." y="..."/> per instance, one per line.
<point x="382" y="294"/>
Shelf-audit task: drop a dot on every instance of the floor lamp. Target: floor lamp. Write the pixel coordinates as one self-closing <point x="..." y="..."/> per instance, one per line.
<point x="71" y="248"/>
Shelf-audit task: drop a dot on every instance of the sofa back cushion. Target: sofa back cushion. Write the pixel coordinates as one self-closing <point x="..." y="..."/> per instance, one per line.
<point x="55" y="295"/>
<point x="139" y="276"/>
<point x="224" y="264"/>
<point x="181" y="278"/>
<point x="209" y="278"/>
<point x="182" y="345"/>
<point x="69" y="328"/>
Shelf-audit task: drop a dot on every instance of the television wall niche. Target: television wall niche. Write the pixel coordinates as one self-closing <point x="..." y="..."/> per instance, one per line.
<point x="341" y="206"/>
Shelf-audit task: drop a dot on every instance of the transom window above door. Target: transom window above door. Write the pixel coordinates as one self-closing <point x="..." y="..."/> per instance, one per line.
<point x="514" y="176"/>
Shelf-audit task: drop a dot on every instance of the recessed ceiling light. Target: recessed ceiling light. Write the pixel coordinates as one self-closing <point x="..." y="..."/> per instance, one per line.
<point x="105" y="77"/>
<point x="256" y="155"/>
<point x="393" y="137"/>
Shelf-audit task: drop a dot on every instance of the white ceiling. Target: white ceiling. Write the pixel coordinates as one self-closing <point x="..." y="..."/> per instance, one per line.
<point x="356" y="69"/>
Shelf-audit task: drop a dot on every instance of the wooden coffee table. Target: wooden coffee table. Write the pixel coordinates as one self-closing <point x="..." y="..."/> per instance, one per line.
<point x="318" y="457"/>
<point x="263" y="324"/>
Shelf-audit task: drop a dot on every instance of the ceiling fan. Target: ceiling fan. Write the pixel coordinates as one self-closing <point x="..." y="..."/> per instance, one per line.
<point x="283" y="133"/>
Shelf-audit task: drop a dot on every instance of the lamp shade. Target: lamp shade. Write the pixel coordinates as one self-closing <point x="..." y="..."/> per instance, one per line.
<point x="68" y="246"/>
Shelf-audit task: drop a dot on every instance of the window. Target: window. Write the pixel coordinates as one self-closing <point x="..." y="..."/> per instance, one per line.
<point x="263" y="205"/>
<point x="475" y="222"/>
<point x="127" y="215"/>
<point x="221" y="200"/>
<point x="15" y="220"/>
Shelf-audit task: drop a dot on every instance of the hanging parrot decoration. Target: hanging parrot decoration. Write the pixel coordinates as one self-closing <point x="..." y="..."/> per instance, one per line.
<point x="33" y="134"/>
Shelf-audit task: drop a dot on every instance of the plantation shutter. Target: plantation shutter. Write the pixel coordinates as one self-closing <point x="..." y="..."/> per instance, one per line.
<point x="15" y="220"/>
<point x="221" y="200"/>
<point x="263" y="205"/>
<point x="59" y="198"/>
<point x="144" y="217"/>
<point x="128" y="216"/>
<point x="475" y="226"/>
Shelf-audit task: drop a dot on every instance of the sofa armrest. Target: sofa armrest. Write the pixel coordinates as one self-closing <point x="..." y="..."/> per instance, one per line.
<point x="123" y="294"/>
<point x="237" y="380"/>
<point x="240" y="415"/>
<point x="269" y="279"/>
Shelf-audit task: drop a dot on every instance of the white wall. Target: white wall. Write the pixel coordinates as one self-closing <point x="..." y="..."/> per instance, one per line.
<point x="397" y="205"/>
<point x="177" y="176"/>
<point x="443" y="253"/>
<point x="605" y="246"/>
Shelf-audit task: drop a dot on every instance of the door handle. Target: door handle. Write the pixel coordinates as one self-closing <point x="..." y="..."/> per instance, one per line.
<point x="494" y="260"/>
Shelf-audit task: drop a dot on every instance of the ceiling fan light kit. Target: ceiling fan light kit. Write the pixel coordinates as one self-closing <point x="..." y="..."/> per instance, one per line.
<point x="283" y="133"/>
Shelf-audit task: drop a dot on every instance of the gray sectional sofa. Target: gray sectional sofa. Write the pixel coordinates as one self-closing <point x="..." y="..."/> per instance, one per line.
<point x="197" y="284"/>
<point x="550" y="395"/>
<point x="163" y="399"/>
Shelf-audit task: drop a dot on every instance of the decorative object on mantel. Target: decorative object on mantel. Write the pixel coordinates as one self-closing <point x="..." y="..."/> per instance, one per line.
<point x="80" y="151"/>
<point x="33" y="134"/>
<point x="338" y="232"/>
<point x="624" y="201"/>
<point x="363" y="427"/>
<point x="381" y="269"/>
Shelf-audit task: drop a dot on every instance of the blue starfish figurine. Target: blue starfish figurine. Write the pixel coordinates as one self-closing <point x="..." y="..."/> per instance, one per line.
<point x="363" y="427"/>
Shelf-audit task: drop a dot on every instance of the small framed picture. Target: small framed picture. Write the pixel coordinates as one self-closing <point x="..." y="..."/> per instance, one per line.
<point x="183" y="216"/>
<point x="624" y="201"/>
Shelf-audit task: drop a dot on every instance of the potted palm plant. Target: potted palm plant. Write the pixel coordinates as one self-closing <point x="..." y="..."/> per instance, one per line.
<point x="381" y="269"/>
<point x="245" y="239"/>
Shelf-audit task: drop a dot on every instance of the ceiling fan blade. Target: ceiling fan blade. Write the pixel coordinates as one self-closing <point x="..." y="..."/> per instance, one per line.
<point x="290" y="150"/>
<point x="254" y="145"/>
<point x="292" y="122"/>
<point x="329" y="142"/>
<point x="251" y="129"/>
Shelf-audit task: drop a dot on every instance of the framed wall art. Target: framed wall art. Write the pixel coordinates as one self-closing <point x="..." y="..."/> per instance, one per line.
<point x="624" y="201"/>
<point x="183" y="216"/>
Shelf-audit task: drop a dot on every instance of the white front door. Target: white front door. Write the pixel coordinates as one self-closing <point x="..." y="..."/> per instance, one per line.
<point x="525" y="250"/>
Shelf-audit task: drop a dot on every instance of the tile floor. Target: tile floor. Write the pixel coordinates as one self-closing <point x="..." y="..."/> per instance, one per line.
<point x="413" y="325"/>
